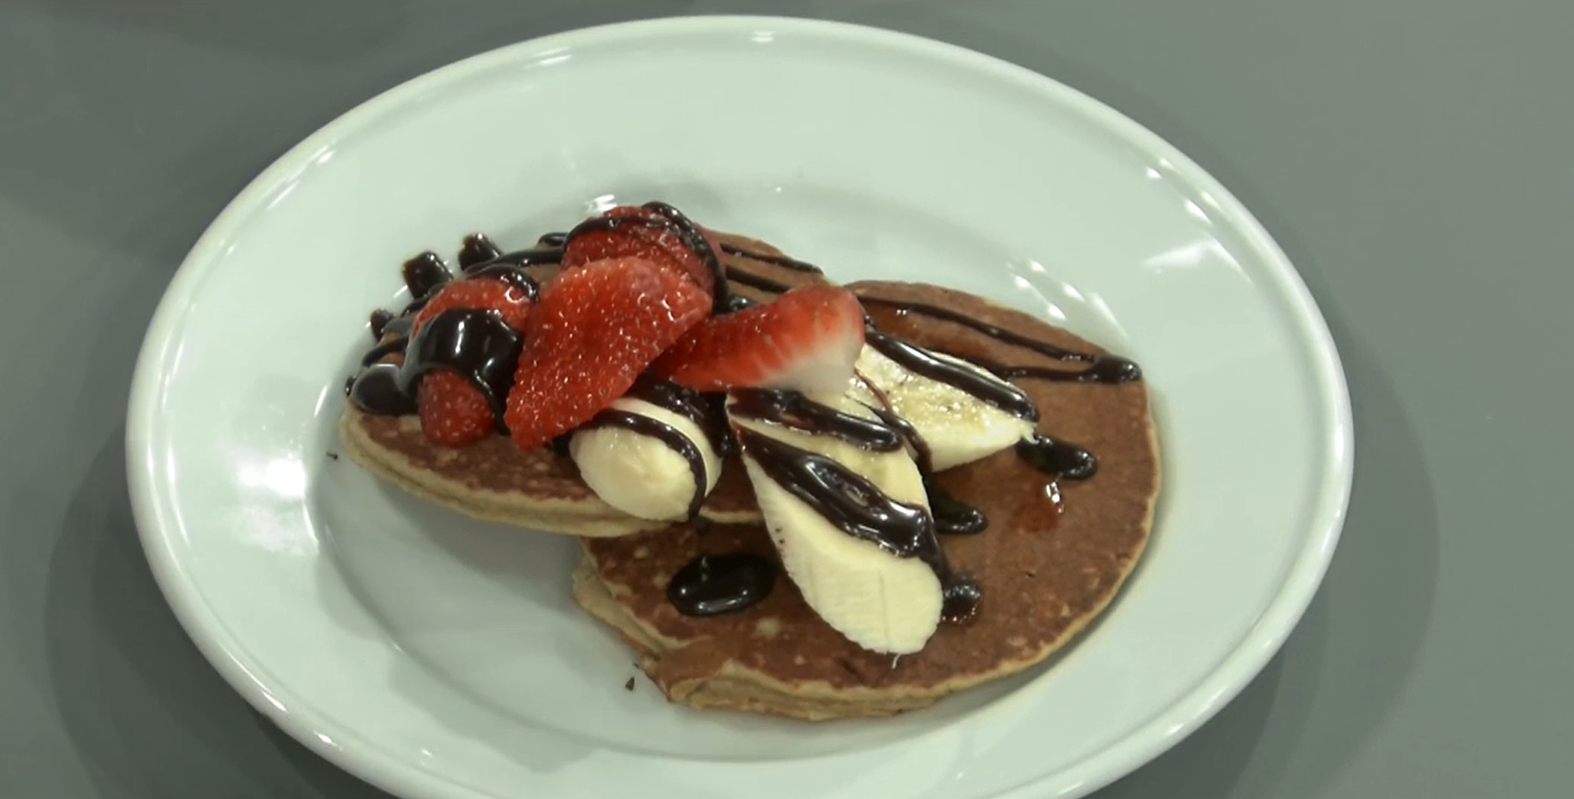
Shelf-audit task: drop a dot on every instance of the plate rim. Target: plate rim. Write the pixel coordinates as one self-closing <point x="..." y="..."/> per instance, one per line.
<point x="1167" y="727"/>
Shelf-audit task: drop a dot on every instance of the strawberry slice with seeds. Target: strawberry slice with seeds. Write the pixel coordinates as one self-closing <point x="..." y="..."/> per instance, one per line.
<point x="453" y="412"/>
<point x="479" y="293"/>
<point x="635" y="232"/>
<point x="591" y="335"/>
<point x="808" y="339"/>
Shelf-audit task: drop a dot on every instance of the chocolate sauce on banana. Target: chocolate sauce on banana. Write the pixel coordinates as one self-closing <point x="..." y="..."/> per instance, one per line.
<point x="998" y="393"/>
<point x="857" y="507"/>
<point x="704" y="410"/>
<point x="793" y="410"/>
<point x="712" y="585"/>
<point x="668" y="435"/>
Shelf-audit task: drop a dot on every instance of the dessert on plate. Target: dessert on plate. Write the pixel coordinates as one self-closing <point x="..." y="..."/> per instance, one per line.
<point x="794" y="497"/>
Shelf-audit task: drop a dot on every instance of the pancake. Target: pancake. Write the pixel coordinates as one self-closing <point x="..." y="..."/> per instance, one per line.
<point x="1052" y="558"/>
<point x="494" y="481"/>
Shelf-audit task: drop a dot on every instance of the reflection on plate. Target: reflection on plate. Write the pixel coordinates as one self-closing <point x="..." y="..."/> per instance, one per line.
<point x="440" y="657"/>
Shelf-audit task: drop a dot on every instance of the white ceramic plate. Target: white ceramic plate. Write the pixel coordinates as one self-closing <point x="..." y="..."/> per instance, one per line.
<point x="439" y="657"/>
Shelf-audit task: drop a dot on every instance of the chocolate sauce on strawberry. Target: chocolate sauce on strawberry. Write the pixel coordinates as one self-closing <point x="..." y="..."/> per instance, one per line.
<point x="477" y="249"/>
<point x="475" y="344"/>
<point x="668" y="435"/>
<point x="712" y="585"/>
<point x="666" y="218"/>
<point x="512" y="274"/>
<point x="793" y="410"/>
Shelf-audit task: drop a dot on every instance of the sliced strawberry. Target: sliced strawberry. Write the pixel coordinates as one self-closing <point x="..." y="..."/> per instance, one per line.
<point x="637" y="232"/>
<point x="453" y="412"/>
<point x="807" y="339"/>
<point x="479" y="293"/>
<point x="592" y="334"/>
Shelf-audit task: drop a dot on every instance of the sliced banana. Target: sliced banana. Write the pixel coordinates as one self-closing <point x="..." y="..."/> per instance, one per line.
<point x="955" y="426"/>
<point x="640" y="474"/>
<point x="879" y="601"/>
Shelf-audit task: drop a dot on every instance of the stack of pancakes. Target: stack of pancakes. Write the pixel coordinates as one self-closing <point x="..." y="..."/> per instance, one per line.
<point x="1052" y="558"/>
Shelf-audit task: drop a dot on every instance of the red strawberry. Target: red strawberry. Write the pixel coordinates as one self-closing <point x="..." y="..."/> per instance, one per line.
<point x="807" y="339"/>
<point x="646" y="234"/>
<point x="453" y="412"/>
<point x="592" y="334"/>
<point x="478" y="293"/>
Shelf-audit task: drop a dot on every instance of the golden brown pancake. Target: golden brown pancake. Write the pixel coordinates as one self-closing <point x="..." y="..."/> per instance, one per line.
<point x="1046" y="568"/>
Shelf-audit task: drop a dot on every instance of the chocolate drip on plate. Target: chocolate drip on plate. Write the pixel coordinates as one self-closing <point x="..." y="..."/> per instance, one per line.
<point x="712" y="585"/>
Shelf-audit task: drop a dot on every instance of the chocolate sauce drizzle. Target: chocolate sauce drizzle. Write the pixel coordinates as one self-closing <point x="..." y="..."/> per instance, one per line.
<point x="998" y="393"/>
<point x="666" y="218"/>
<point x="860" y="509"/>
<point x="779" y="260"/>
<point x="793" y="410"/>
<point x="478" y="345"/>
<point x="668" y="435"/>
<point x="475" y="344"/>
<point x="712" y="585"/>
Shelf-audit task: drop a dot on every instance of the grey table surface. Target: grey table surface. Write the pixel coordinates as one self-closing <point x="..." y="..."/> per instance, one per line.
<point x="1413" y="158"/>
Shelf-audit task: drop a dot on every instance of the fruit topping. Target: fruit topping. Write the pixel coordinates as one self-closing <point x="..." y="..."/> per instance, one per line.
<point x="632" y="231"/>
<point x="479" y="293"/>
<point x="806" y="340"/>
<point x="592" y="334"/>
<point x="453" y="412"/>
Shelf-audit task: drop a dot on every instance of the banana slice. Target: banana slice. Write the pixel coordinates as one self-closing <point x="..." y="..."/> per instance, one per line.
<point x="644" y="475"/>
<point x="953" y="426"/>
<point x="879" y="601"/>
